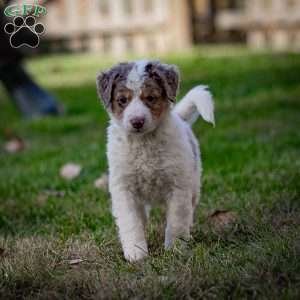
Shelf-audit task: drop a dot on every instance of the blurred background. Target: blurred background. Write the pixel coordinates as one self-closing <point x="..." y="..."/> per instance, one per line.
<point x="111" y="31"/>
<point x="153" y="26"/>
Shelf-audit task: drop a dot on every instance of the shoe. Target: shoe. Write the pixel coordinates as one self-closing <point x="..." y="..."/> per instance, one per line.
<point x="34" y="102"/>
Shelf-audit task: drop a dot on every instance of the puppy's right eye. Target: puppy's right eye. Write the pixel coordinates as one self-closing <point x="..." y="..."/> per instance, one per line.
<point x="151" y="99"/>
<point x="122" y="100"/>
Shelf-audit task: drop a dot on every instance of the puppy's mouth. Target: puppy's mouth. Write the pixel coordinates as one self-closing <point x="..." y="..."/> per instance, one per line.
<point x="138" y="131"/>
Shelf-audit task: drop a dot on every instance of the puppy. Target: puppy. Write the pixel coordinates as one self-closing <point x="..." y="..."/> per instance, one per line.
<point x="152" y="152"/>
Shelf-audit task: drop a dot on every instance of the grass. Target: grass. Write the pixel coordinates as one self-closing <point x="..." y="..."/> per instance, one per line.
<point x="251" y="168"/>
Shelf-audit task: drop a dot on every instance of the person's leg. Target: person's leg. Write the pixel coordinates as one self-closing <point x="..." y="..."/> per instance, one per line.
<point x="29" y="97"/>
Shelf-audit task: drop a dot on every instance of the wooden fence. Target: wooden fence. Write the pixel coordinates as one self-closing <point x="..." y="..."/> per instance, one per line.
<point x="118" y="27"/>
<point x="268" y="23"/>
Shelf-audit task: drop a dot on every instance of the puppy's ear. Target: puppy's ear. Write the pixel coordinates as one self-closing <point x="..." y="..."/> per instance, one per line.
<point x="104" y="82"/>
<point x="108" y="79"/>
<point x="168" y="75"/>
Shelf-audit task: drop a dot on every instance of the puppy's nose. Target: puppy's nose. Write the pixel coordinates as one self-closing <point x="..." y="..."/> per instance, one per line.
<point x="137" y="122"/>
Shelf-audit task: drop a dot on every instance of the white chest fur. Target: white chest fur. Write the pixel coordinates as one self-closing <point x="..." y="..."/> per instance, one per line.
<point x="151" y="165"/>
<point x="142" y="165"/>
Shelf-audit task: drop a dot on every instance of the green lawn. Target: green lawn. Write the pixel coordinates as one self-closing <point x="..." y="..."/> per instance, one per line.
<point x="251" y="168"/>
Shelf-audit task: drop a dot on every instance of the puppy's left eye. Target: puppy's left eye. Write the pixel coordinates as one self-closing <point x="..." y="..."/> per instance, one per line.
<point x="150" y="99"/>
<point x="122" y="100"/>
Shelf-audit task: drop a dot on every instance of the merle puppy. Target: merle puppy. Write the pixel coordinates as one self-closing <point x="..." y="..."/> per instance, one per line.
<point x="152" y="152"/>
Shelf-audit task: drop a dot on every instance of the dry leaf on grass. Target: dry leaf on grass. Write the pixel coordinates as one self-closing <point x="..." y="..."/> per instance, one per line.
<point x="222" y="219"/>
<point x="70" y="171"/>
<point x="102" y="182"/>
<point x="14" y="145"/>
<point x="2" y="251"/>
<point x="76" y="261"/>
<point x="43" y="197"/>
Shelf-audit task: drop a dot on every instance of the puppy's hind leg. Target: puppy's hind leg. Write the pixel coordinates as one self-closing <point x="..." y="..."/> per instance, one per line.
<point x="179" y="217"/>
<point x="130" y="219"/>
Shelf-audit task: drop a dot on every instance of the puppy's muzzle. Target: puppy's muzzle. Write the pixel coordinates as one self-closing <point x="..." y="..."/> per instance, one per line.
<point x="137" y="122"/>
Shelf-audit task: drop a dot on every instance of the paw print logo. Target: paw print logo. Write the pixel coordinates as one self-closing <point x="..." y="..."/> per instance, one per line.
<point x="24" y="32"/>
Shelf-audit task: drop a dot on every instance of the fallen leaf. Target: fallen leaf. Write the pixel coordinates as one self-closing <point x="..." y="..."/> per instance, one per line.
<point x="75" y="261"/>
<point x="222" y="219"/>
<point x="70" y="171"/>
<point x="2" y="251"/>
<point x="102" y="182"/>
<point x="42" y="199"/>
<point x="14" y="145"/>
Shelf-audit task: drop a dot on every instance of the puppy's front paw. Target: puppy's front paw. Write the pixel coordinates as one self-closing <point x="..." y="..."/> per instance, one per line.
<point x="135" y="253"/>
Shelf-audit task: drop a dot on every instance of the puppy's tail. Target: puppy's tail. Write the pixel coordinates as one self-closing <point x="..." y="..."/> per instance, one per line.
<point x="197" y="101"/>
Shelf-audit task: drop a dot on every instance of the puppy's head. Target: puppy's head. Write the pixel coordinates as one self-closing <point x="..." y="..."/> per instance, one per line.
<point x="138" y="94"/>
